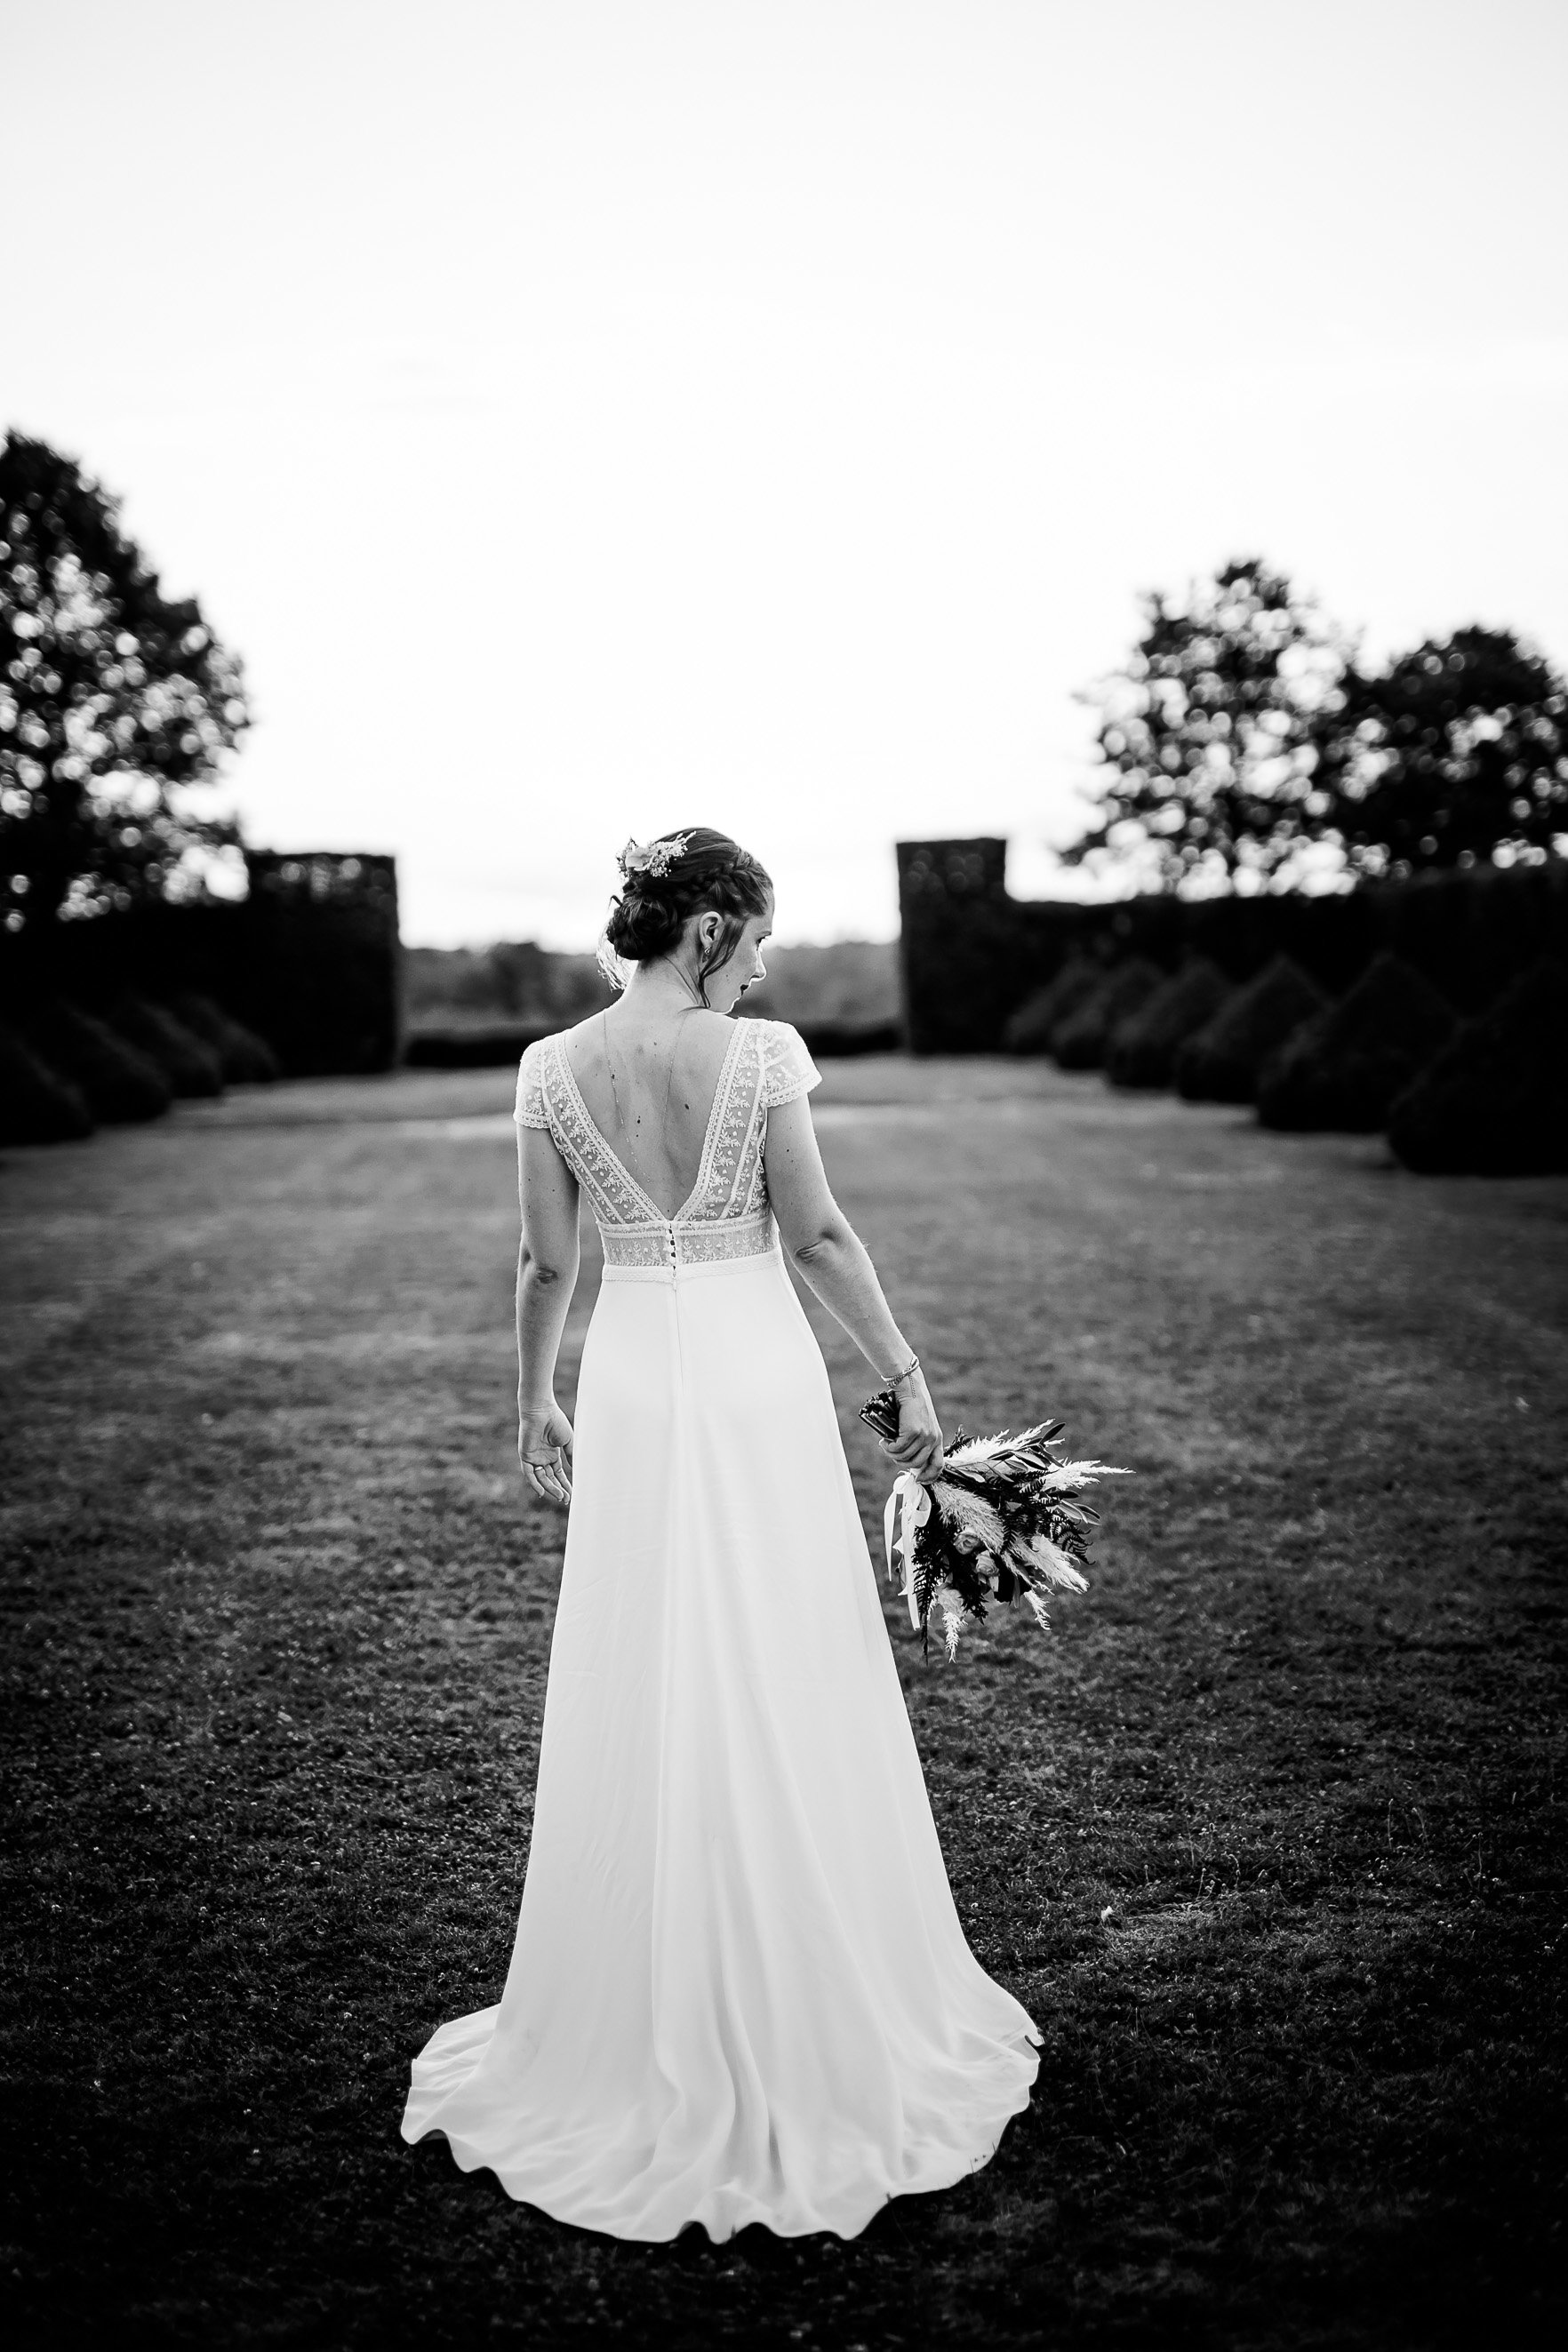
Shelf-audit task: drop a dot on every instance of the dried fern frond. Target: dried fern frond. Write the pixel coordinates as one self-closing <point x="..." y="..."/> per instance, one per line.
<point x="1004" y="1518"/>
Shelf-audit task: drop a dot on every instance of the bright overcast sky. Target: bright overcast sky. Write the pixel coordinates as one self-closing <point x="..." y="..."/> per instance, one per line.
<point x="589" y="416"/>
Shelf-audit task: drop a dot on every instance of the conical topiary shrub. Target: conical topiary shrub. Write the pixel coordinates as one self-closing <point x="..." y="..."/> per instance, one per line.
<point x="1221" y="1062"/>
<point x="1080" y="1041"/>
<point x="245" y="1059"/>
<point x="1028" y="1030"/>
<point x="1142" y="1048"/>
<point x="1343" y="1068"/>
<point x="37" y="1105"/>
<point x="191" y="1067"/>
<point x="1494" y="1100"/>
<point x="117" y="1082"/>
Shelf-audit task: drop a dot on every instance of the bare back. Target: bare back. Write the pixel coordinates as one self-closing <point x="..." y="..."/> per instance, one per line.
<point x="647" y="1080"/>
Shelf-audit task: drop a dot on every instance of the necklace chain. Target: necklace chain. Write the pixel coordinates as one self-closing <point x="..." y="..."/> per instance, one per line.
<point x="621" y="1127"/>
<point x="699" y="1004"/>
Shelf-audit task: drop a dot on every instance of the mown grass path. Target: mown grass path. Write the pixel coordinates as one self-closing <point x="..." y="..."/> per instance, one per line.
<point x="1270" y="1838"/>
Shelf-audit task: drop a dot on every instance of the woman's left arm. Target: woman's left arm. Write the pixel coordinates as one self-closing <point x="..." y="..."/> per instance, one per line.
<point x="547" y="1261"/>
<point x="833" y="1260"/>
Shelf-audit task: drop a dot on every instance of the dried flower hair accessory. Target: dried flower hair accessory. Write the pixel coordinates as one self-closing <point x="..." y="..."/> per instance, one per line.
<point x="653" y="858"/>
<point x="1004" y="1518"/>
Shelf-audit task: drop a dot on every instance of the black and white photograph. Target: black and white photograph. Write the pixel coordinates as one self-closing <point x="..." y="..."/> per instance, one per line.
<point x="784" y="1175"/>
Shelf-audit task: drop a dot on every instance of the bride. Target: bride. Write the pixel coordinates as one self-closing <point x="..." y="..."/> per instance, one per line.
<point x="739" y="1991"/>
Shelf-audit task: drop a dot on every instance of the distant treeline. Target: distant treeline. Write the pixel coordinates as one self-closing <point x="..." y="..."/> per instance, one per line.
<point x="473" y="1004"/>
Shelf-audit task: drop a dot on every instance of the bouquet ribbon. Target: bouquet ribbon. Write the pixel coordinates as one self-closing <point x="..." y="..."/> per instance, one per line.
<point x="909" y="1503"/>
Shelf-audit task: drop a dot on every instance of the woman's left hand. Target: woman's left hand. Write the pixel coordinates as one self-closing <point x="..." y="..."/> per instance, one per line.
<point x="917" y="1446"/>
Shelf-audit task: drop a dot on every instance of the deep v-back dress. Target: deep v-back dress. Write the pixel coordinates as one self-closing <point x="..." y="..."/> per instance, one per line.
<point x="740" y="1990"/>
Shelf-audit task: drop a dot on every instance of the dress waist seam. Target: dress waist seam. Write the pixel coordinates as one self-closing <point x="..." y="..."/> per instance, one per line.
<point x="700" y="1269"/>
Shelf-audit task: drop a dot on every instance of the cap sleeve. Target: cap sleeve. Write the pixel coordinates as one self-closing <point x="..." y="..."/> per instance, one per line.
<point x="788" y="1070"/>
<point x="530" y="1111"/>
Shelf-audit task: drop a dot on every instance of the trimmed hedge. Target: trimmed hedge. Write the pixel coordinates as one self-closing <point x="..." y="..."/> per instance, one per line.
<point x="244" y="1059"/>
<point x="842" y="1040"/>
<point x="320" y="973"/>
<point x="37" y="1105"/>
<point x="1222" y="1061"/>
<point x="1028" y="1030"/>
<point x="491" y="1046"/>
<point x="309" y="960"/>
<point x="971" y="955"/>
<point x="1080" y="1041"/>
<point x="191" y="1067"/>
<point x="1343" y="1068"/>
<point x="1494" y="1101"/>
<point x="1143" y="1047"/>
<point x="119" y="1082"/>
<point x="965" y="960"/>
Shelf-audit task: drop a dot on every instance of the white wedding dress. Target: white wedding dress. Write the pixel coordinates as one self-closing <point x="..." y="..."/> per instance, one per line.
<point x="740" y="1990"/>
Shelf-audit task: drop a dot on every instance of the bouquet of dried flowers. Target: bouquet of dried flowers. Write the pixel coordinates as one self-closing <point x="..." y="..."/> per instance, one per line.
<point x="1006" y="1518"/>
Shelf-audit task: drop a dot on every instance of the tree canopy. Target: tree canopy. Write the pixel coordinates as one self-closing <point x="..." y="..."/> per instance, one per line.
<point x="1211" y="737"/>
<point x="1244" y="747"/>
<point x="117" y="705"/>
<point x="1455" y="752"/>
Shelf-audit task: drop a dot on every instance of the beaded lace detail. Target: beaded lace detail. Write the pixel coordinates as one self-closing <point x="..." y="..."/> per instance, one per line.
<point x="676" y="1244"/>
<point x="530" y="1111"/>
<point x="728" y="1214"/>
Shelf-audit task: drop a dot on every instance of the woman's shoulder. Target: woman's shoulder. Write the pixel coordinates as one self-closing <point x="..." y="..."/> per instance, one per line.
<point x="704" y="1041"/>
<point x="537" y="1048"/>
<point x="788" y="1070"/>
<point x="529" y="1111"/>
<point x="715" y="1029"/>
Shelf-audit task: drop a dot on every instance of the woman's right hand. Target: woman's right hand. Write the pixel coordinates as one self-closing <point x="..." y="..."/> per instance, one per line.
<point x="544" y="1451"/>
<point x="917" y="1446"/>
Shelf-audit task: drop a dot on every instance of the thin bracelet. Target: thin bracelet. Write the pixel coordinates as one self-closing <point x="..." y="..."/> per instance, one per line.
<point x="897" y="1379"/>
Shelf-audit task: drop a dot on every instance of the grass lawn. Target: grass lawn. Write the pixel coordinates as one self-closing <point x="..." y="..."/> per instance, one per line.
<point x="1268" y="1837"/>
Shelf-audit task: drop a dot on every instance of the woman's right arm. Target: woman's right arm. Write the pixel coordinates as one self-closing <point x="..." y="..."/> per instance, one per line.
<point x="830" y="1253"/>
<point x="546" y="1276"/>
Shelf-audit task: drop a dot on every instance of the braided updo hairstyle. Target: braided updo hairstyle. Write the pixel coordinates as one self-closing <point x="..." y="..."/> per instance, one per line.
<point x="647" y="919"/>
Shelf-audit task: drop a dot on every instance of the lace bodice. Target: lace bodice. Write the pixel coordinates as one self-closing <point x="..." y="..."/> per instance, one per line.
<point x="727" y="1214"/>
